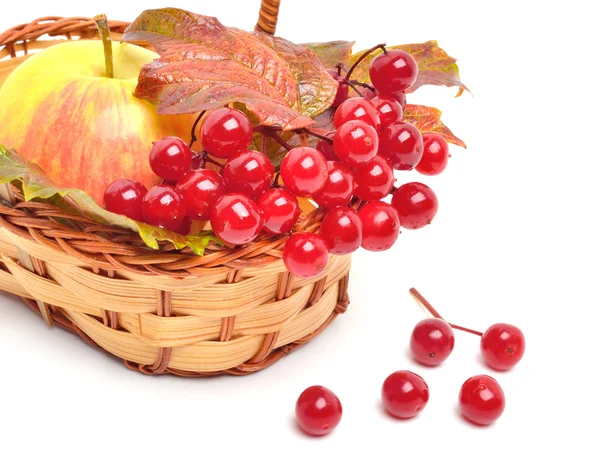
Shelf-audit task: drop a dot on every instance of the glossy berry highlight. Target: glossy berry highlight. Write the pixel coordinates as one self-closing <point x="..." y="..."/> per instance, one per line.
<point x="124" y="197"/>
<point x="356" y="143"/>
<point x="226" y="131"/>
<point x="341" y="229"/>
<point x="502" y="346"/>
<point x="481" y="400"/>
<point x="380" y="224"/>
<point x="374" y="180"/>
<point x="304" y="171"/>
<point x="201" y="189"/>
<point x="393" y="71"/>
<point x="170" y="158"/>
<point x="249" y="172"/>
<point x="338" y="188"/>
<point x="305" y="255"/>
<point x="404" y="394"/>
<point x="435" y="155"/>
<point x="388" y="108"/>
<point x="431" y="341"/>
<point x="357" y="108"/>
<point x="402" y="144"/>
<point x="416" y="204"/>
<point x="164" y="206"/>
<point x="280" y="210"/>
<point x="318" y="411"/>
<point x="236" y="219"/>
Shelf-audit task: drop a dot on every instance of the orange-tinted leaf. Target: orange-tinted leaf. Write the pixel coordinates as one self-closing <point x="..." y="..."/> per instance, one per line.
<point x="435" y="66"/>
<point x="332" y="52"/>
<point x="428" y="120"/>
<point x="204" y="64"/>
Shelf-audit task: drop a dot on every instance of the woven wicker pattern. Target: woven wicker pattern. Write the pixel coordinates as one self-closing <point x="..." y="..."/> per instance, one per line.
<point x="230" y="311"/>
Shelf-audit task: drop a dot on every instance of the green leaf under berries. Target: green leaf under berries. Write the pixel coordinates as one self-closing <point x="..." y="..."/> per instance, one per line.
<point x="36" y="185"/>
<point x="332" y="53"/>
<point x="429" y="120"/>
<point x="436" y="67"/>
<point x="204" y="64"/>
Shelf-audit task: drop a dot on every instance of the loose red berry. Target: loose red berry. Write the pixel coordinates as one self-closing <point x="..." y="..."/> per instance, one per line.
<point x="393" y="71"/>
<point x="388" y="108"/>
<point x="164" y="206"/>
<point x="338" y="187"/>
<point x="125" y="197"/>
<point x="342" y="91"/>
<point x="304" y="171"/>
<point x="404" y="394"/>
<point x="280" y="210"/>
<point x="236" y="219"/>
<point x="225" y="132"/>
<point x="381" y="226"/>
<point x="402" y="144"/>
<point x="502" y="346"/>
<point x="416" y="204"/>
<point x="356" y="109"/>
<point x="201" y="189"/>
<point x="318" y="411"/>
<point x="341" y="229"/>
<point x="170" y="158"/>
<point x="356" y="142"/>
<point x="432" y="341"/>
<point x="481" y="400"/>
<point x="248" y="172"/>
<point x="374" y="180"/>
<point x="305" y="255"/>
<point x="435" y="155"/>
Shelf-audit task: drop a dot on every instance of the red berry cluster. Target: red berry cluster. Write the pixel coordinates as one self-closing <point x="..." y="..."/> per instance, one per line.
<point x="405" y="394"/>
<point x="348" y="174"/>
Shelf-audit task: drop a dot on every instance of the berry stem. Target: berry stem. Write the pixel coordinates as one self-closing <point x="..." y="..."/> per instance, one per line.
<point x="278" y="139"/>
<point x="317" y="135"/>
<point x="265" y="143"/>
<point x="362" y="57"/>
<point x="207" y="159"/>
<point x="421" y="300"/>
<point x="363" y="84"/>
<point x="353" y="87"/>
<point x="303" y="139"/>
<point x="104" y="30"/>
<point x="194" y="138"/>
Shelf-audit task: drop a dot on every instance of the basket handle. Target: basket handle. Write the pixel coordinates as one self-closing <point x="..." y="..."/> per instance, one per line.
<point x="267" y="16"/>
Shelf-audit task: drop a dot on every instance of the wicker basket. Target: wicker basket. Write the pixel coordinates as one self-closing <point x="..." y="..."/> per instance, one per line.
<point x="232" y="311"/>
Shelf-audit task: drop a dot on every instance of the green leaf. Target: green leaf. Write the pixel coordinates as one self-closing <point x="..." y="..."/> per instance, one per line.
<point x="36" y="185"/>
<point x="332" y="53"/>
<point x="436" y="67"/>
<point x="429" y="120"/>
<point x="204" y="64"/>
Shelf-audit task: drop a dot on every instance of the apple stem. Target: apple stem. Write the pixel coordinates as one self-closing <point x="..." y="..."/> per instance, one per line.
<point x="104" y="30"/>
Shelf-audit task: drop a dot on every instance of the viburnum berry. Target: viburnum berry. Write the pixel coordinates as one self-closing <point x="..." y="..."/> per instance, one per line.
<point x="249" y="172"/>
<point x="124" y="197"/>
<point x="432" y="341"/>
<point x="381" y="226"/>
<point x="502" y="346"/>
<point x="342" y="91"/>
<point x="185" y="227"/>
<point x="304" y="171"/>
<point x="374" y="180"/>
<point x="404" y="394"/>
<point x="201" y="189"/>
<point x="280" y="210"/>
<point x="356" y="142"/>
<point x="402" y="144"/>
<point x="305" y="255"/>
<point x="388" y="108"/>
<point x="393" y="71"/>
<point x="198" y="161"/>
<point x="435" y="155"/>
<point x="326" y="148"/>
<point x="226" y="131"/>
<point x="318" y="411"/>
<point x="400" y="97"/>
<point x="341" y="229"/>
<point x="170" y="158"/>
<point x="481" y="400"/>
<point x="356" y="109"/>
<point x="164" y="206"/>
<point x="338" y="187"/>
<point x="416" y="204"/>
<point x="236" y="219"/>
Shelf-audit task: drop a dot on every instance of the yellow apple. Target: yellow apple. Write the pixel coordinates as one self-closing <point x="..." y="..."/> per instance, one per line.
<point x="59" y="110"/>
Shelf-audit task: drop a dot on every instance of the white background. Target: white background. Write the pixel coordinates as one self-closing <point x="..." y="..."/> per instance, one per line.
<point x="515" y="240"/>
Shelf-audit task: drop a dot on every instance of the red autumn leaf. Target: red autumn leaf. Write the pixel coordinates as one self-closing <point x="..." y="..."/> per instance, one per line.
<point x="435" y="66"/>
<point x="428" y="120"/>
<point x="204" y="64"/>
